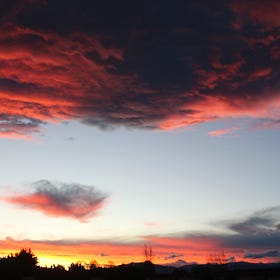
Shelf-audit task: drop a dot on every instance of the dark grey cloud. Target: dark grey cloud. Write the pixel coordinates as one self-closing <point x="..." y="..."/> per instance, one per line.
<point x="173" y="256"/>
<point x="254" y="225"/>
<point x="103" y="254"/>
<point x="259" y="230"/>
<point x="251" y="242"/>
<point x="61" y="200"/>
<point x="18" y="126"/>
<point x="261" y="222"/>
<point x="264" y="254"/>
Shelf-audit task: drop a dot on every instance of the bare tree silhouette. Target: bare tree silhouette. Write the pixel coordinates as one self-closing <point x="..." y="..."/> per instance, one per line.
<point x="148" y="251"/>
<point x="217" y="258"/>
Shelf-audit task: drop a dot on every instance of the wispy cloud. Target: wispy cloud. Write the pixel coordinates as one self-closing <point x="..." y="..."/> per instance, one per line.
<point x="61" y="200"/>
<point x="223" y="132"/>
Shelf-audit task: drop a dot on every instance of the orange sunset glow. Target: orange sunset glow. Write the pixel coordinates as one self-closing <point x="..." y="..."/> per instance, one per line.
<point x="50" y="252"/>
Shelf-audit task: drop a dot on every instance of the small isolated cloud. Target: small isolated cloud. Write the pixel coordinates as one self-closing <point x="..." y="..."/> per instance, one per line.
<point x="230" y="259"/>
<point x="150" y="224"/>
<point x="179" y="263"/>
<point x="173" y="256"/>
<point x="71" y="139"/>
<point x="261" y="255"/>
<point x="223" y="132"/>
<point x="61" y="200"/>
<point x="103" y="255"/>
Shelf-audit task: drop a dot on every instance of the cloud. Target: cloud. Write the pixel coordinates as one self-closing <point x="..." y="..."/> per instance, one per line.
<point x="253" y="225"/>
<point x="103" y="255"/>
<point x="151" y="224"/>
<point x="70" y="139"/>
<point x="173" y="256"/>
<point x="222" y="132"/>
<point x="231" y="259"/>
<point x="262" y="222"/>
<point x="18" y="127"/>
<point x="61" y="200"/>
<point x="259" y="11"/>
<point x="261" y="255"/>
<point x="259" y="231"/>
<point x="266" y="124"/>
<point x="179" y="263"/>
<point x="183" y="65"/>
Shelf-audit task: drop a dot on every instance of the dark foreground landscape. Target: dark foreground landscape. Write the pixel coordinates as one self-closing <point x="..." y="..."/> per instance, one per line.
<point x="24" y="265"/>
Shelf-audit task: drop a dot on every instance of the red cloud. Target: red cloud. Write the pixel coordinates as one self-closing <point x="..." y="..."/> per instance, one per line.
<point x="66" y="200"/>
<point x="260" y="11"/>
<point x="47" y="77"/>
<point x="210" y="108"/>
<point x="262" y="73"/>
<point x="222" y="132"/>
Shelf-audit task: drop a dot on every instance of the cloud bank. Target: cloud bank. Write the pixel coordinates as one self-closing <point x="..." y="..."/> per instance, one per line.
<point x="145" y="65"/>
<point x="61" y="200"/>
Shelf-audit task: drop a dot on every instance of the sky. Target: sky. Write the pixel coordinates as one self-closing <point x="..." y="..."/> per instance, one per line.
<point x="125" y="123"/>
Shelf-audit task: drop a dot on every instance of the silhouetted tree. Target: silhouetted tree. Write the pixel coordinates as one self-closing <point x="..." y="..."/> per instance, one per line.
<point x="92" y="265"/>
<point x="77" y="271"/>
<point x="21" y="264"/>
<point x="148" y="251"/>
<point x="26" y="262"/>
<point x="217" y="258"/>
<point x="55" y="272"/>
<point x="76" y="267"/>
